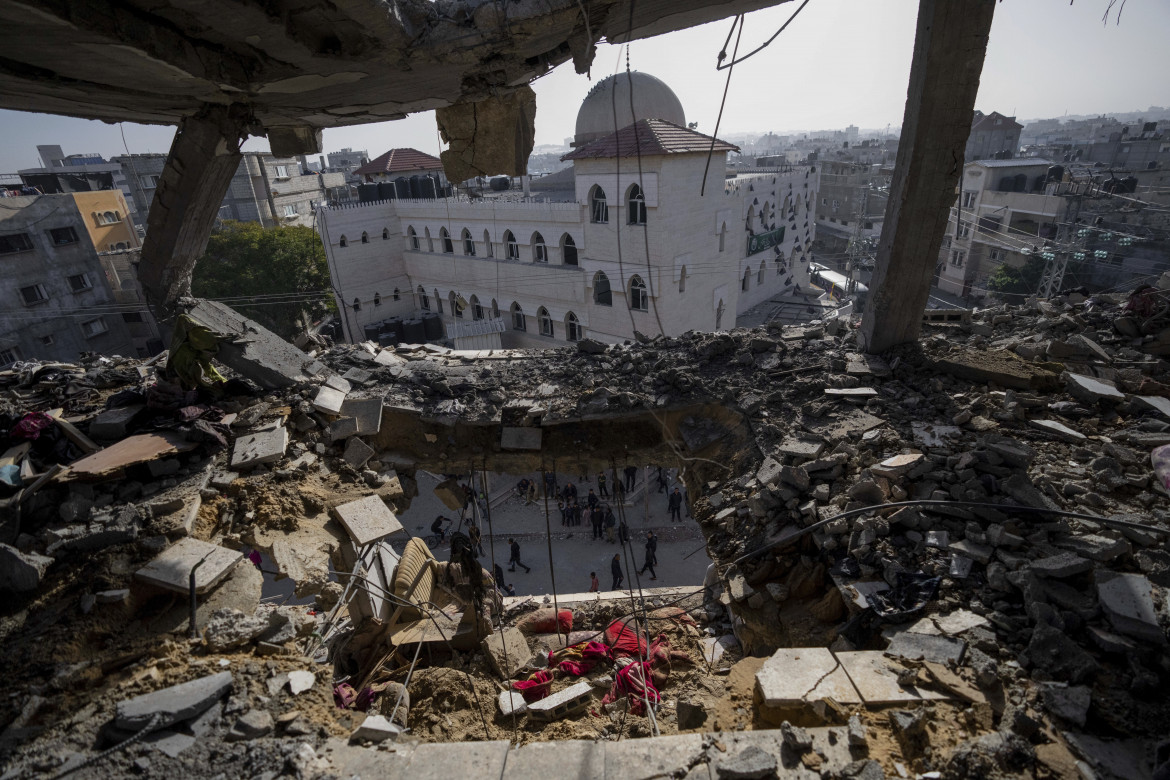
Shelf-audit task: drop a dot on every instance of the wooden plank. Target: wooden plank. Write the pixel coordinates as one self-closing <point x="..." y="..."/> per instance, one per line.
<point x="84" y="443"/>
<point x="144" y="447"/>
<point x="14" y="455"/>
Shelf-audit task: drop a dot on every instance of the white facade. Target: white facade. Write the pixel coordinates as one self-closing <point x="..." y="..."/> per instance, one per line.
<point x="687" y="267"/>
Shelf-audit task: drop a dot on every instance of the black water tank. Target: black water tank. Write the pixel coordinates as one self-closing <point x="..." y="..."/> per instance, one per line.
<point x="426" y="185"/>
<point x="402" y="187"/>
<point x="386" y="190"/>
<point x="413" y="332"/>
<point x="372" y="330"/>
<point x="1056" y="173"/>
<point x="1021" y="183"/>
<point x="433" y="326"/>
<point x="1006" y="184"/>
<point x="387" y="339"/>
<point x="416" y="186"/>
<point x="1129" y="184"/>
<point x="501" y="183"/>
<point x="1038" y="183"/>
<point x="394" y="325"/>
<point x="367" y="193"/>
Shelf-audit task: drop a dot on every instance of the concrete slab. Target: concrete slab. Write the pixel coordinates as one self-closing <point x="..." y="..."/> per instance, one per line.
<point x="914" y="646"/>
<point x="1060" y="566"/>
<point x="511" y="702"/>
<point x="1058" y="429"/>
<point x="388" y="358"/>
<point x="174" y="704"/>
<point x="1154" y="402"/>
<point x="713" y="647"/>
<point x="1088" y="389"/>
<point x="366" y="412"/>
<point x="797" y="675"/>
<point x="801" y="448"/>
<point x="338" y="383"/>
<point x="1128" y="601"/>
<point x="172" y="568"/>
<point x="359" y="375"/>
<point x="357" y="453"/>
<point x="563" y="703"/>
<point x="342" y="428"/>
<point x="506" y="651"/>
<point x="851" y="392"/>
<point x="444" y="761"/>
<point x="892" y="468"/>
<point x="876" y="678"/>
<point x="170" y="743"/>
<point x="666" y="756"/>
<point x="329" y="400"/>
<point x="577" y="759"/>
<point x="367" y="519"/>
<point x="376" y="728"/>
<point x="931" y="435"/>
<point x="514" y="438"/>
<point x="114" y="423"/>
<point x="257" y="448"/>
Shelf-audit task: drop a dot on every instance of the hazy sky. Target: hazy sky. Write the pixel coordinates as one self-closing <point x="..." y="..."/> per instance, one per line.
<point x="840" y="62"/>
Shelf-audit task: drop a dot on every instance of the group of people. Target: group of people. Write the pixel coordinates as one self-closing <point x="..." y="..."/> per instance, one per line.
<point x="615" y="566"/>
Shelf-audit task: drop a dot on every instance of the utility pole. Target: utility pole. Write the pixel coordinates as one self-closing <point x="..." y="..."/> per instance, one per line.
<point x="1057" y="263"/>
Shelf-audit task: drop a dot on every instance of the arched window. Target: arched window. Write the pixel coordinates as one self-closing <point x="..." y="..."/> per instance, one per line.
<point x="765" y="216"/>
<point x="413" y="237"/>
<point x="456" y="309"/>
<point x="476" y="309"/>
<point x="602" y="295"/>
<point x="682" y="280"/>
<point x="780" y="266"/>
<point x="121" y="245"/>
<point x="760" y="275"/>
<point x="468" y="244"/>
<point x="108" y="218"/>
<point x="488" y="249"/>
<point x="511" y="248"/>
<point x="747" y="280"/>
<point x="495" y="310"/>
<point x="751" y="219"/>
<point x="572" y="327"/>
<point x="719" y="315"/>
<point x="430" y="241"/>
<point x="636" y="206"/>
<point x="545" y="321"/>
<point x="722" y="235"/>
<point x="424" y="302"/>
<point x="445" y="238"/>
<point x="639" y="301"/>
<point x="365" y="237"/>
<point x="341" y="242"/>
<point x="438" y="302"/>
<point x="539" y="250"/>
<point x="357" y="304"/>
<point x="568" y="250"/>
<point x="385" y="233"/>
<point x="397" y="294"/>
<point x="598" y="207"/>
<point x="377" y="299"/>
<point x="518" y="322"/>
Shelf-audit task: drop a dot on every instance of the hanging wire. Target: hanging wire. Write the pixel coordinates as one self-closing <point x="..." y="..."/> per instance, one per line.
<point x="723" y="102"/>
<point x="758" y="49"/>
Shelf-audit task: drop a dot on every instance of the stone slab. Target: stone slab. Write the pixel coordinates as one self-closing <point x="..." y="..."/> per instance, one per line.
<point x="357" y="453"/>
<point x="875" y="677"/>
<point x="367" y="519"/>
<point x="516" y="438"/>
<point x="257" y="448"/>
<point x="366" y="412"/>
<point x="506" y="651"/>
<point x="851" y="392"/>
<point x="329" y="400"/>
<point x="512" y="702"/>
<point x="801" y="448"/>
<point x="338" y="383"/>
<point x="999" y="367"/>
<point x="445" y="761"/>
<point x="114" y="423"/>
<point x="1128" y="601"/>
<point x="661" y="757"/>
<point x="576" y="759"/>
<point x="926" y="647"/>
<point x="359" y="375"/>
<point x="563" y="703"/>
<point x="170" y="743"/>
<point x="1157" y="403"/>
<point x="172" y="705"/>
<point x="21" y="572"/>
<point x="1060" y="566"/>
<point x="769" y="471"/>
<point x="1058" y="429"/>
<point x="376" y="728"/>
<point x="950" y="624"/>
<point x="342" y="428"/>
<point x="894" y="467"/>
<point x="796" y="675"/>
<point x="1088" y="389"/>
<point x="172" y="568"/>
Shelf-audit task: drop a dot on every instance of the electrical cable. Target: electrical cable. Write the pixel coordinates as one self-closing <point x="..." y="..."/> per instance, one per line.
<point x="722" y="103"/>
<point x="761" y="47"/>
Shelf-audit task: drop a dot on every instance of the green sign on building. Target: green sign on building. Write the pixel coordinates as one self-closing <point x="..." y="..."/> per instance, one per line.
<point x="762" y="241"/>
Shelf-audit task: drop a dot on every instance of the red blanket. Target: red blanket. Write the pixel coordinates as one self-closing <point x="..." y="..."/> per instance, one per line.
<point x="580" y="659"/>
<point x="536" y="687"/>
<point x="633" y="681"/>
<point x="625" y="640"/>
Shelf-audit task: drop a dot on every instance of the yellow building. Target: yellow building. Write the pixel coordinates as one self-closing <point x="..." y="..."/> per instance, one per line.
<point x="107" y="219"/>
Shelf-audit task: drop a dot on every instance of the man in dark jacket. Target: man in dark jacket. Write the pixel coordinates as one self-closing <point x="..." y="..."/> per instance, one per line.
<point x="631" y="477"/>
<point x="591" y="499"/>
<point x="651" y="555"/>
<point x="615" y="568"/>
<point x="623" y="532"/>
<point x="514" y="560"/>
<point x="674" y="504"/>
<point x="596" y="516"/>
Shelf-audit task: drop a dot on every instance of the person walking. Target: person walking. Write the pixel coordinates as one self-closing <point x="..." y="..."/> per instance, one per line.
<point x="591" y="499"/>
<point x="615" y="568"/>
<point x="594" y="583"/>
<point x="514" y="560"/>
<point x="610" y="523"/>
<point x="631" y="477"/>
<point x="619" y="491"/>
<point x="476" y="538"/>
<point x="623" y="532"/>
<point x="564" y="512"/>
<point x="651" y="555"/>
<point x="595" y="518"/>
<point x="674" y="504"/>
<point x="601" y="488"/>
<point x="499" y="575"/>
<point x="661" y="479"/>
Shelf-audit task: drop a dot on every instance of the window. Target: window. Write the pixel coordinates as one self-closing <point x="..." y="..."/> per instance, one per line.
<point x="518" y="322"/>
<point x="996" y="256"/>
<point x="468" y="244"/>
<point x="476" y="309"/>
<point x="751" y="219"/>
<point x="385" y="233"/>
<point x="132" y="317"/>
<point x="488" y="249"/>
<point x="682" y="280"/>
<point x="968" y="200"/>
<point x="546" y="325"/>
<point x="430" y="241"/>
<point x="639" y="301"/>
<point x="48" y="341"/>
<point x="779" y="266"/>
<point x="719" y="315"/>
<point x="9" y="356"/>
<point x="598" y="208"/>
<point x="511" y="248"/>
<point x="34" y="294"/>
<point x="341" y="242"/>
<point x="79" y="283"/>
<point x="958" y="258"/>
<point x="747" y="280"/>
<point x="568" y="250"/>
<point x="365" y="237"/>
<point x="282" y="171"/>
<point x="722" y="236"/>
<point x="94" y="328"/>
<point x="602" y="295"/>
<point x="495" y="310"/>
<point x="424" y="302"/>
<point x="397" y="294"/>
<point x="120" y="246"/>
<point x="572" y="327"/>
<point x="964" y="230"/>
<point x="760" y="275"/>
<point x="377" y="299"/>
<point x="106" y="218"/>
<point x="412" y="237"/>
<point x="290" y="210"/>
<point x="636" y="206"/>
<point x="148" y="182"/>
<point x="836" y="205"/>
<point x="15" y="242"/>
<point x="357" y="304"/>
<point x="445" y="239"/>
<point x="438" y="302"/>
<point x="63" y="236"/>
<point x="539" y="250"/>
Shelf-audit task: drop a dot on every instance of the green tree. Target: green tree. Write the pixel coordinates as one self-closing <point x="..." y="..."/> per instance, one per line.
<point x="249" y="264"/>
<point x="1014" y="284"/>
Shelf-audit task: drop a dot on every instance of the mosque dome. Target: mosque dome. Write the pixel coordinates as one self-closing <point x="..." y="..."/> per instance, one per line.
<point x="652" y="100"/>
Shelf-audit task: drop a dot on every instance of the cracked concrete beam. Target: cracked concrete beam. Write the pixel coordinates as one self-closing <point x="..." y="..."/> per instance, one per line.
<point x="489" y="136"/>
<point x="294" y="140"/>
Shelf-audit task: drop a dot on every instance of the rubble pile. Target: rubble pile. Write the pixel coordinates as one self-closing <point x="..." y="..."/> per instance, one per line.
<point x="970" y="529"/>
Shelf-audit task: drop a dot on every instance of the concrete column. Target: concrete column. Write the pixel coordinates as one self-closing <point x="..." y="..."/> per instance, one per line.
<point x="203" y="159"/>
<point x="949" y="48"/>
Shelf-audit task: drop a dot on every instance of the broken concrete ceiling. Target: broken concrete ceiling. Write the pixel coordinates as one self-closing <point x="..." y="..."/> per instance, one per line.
<point x="298" y="64"/>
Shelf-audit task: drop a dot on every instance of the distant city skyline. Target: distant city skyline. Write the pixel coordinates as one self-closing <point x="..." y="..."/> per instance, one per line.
<point x="840" y="63"/>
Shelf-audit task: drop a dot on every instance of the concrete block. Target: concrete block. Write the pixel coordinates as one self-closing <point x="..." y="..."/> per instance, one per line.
<point x="1128" y="601"/>
<point x="257" y="448"/>
<point x="359" y="375"/>
<point x="563" y="704"/>
<point x="21" y="572"/>
<point x="376" y="728"/>
<point x="329" y="400"/>
<point x="1068" y="702"/>
<point x="1060" y="566"/>
<point x="801" y="448"/>
<point x="222" y="480"/>
<point x="973" y="550"/>
<point x="798" y="675"/>
<point x="172" y="705"/>
<point x="511" y="702"/>
<point x="577" y="759"/>
<point x="172" y="568"/>
<point x="1090" y="390"/>
<point x="338" y="383"/>
<point x="506" y="651"/>
<point x="114" y="423"/>
<point x="367" y="519"/>
<point x="447" y="760"/>
<point x="357" y="452"/>
<point x="769" y="471"/>
<point x="892" y="468"/>
<point x="1059" y="430"/>
<point x="876" y="678"/>
<point x="342" y="428"/>
<point x="915" y="647"/>
<point x="366" y="413"/>
<point x="665" y="756"/>
<point x="859" y="393"/>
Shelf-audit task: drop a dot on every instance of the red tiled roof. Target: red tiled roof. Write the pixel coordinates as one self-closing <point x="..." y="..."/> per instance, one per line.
<point x="650" y="137"/>
<point x="397" y="160"/>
